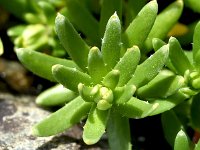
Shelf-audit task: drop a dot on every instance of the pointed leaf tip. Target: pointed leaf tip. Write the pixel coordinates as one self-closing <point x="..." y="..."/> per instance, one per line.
<point x="72" y="42"/>
<point x="111" y="43"/>
<point x="56" y="67"/>
<point x="59" y="17"/>
<point x="115" y="17"/>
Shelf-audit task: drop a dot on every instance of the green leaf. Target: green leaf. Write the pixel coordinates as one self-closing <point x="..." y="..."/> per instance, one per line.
<point x="163" y="85"/>
<point x="195" y="111"/>
<point x="196" y="46"/>
<point x="124" y="94"/>
<point x="164" y="23"/>
<point x="157" y="43"/>
<point x="136" y="108"/>
<point x="62" y="119"/>
<point x="1" y="47"/>
<point x="178" y="57"/>
<point x="168" y="103"/>
<point x="33" y="7"/>
<point x="70" y="77"/>
<point x="118" y="131"/>
<point x="138" y="30"/>
<point x="150" y="67"/>
<point x="197" y="146"/>
<point x="189" y="55"/>
<point x="41" y="64"/>
<point x="111" y="42"/>
<point x="96" y="67"/>
<point x="128" y="62"/>
<point x="72" y="42"/>
<point x="83" y="20"/>
<point x="95" y="125"/>
<point x="56" y="95"/>
<point x="16" y="30"/>
<point x="48" y="10"/>
<point x="181" y="141"/>
<point x="16" y="11"/>
<point x="132" y="8"/>
<point x="88" y="93"/>
<point x="171" y="126"/>
<point x="34" y="37"/>
<point x="107" y="9"/>
<point x="193" y="4"/>
<point x="111" y="79"/>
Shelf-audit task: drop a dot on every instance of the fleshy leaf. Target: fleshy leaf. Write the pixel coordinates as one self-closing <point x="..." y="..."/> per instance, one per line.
<point x="88" y="93"/>
<point x="107" y="9"/>
<point x="128" y="62"/>
<point x="96" y="66"/>
<point x="195" y="111"/>
<point x="111" y="79"/>
<point x="123" y="94"/>
<point x="111" y="42"/>
<point x="164" y="23"/>
<point x="70" y="77"/>
<point x="193" y="4"/>
<point x="163" y="85"/>
<point x="72" y="42"/>
<point x="157" y="43"/>
<point x="168" y="103"/>
<point x="16" y="30"/>
<point x="138" y="30"/>
<point x="196" y="39"/>
<point x="181" y="141"/>
<point x="132" y="8"/>
<point x="95" y="125"/>
<point x="83" y="20"/>
<point x="62" y="119"/>
<point x="196" y="46"/>
<point x="197" y="146"/>
<point x="177" y="57"/>
<point x="41" y="64"/>
<point x="150" y="67"/>
<point x="171" y="126"/>
<point x="48" y="10"/>
<point x="56" y="95"/>
<point x="136" y="108"/>
<point x="114" y="129"/>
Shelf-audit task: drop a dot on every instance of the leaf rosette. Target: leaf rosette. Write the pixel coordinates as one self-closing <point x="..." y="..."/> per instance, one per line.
<point x="108" y="84"/>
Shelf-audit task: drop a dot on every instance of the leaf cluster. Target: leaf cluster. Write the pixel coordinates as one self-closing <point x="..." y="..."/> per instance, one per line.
<point x="115" y="80"/>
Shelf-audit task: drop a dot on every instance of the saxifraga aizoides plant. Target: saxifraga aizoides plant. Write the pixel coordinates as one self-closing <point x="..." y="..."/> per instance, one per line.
<point x="186" y="64"/>
<point x="105" y="83"/>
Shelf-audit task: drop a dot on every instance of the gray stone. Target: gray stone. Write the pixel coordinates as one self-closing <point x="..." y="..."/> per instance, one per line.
<point x="19" y="113"/>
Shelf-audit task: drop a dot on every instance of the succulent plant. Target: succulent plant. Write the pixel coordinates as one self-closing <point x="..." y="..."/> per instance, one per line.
<point x="185" y="64"/>
<point x="87" y="24"/>
<point x="188" y="67"/>
<point x="175" y="132"/>
<point x="108" y="84"/>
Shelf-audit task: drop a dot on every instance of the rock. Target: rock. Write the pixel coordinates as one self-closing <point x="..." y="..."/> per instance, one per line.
<point x="19" y="113"/>
<point x="15" y="75"/>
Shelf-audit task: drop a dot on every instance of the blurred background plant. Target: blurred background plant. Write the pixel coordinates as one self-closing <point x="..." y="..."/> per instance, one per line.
<point x="30" y="24"/>
<point x="36" y="31"/>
